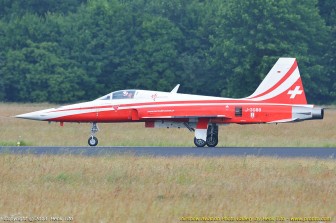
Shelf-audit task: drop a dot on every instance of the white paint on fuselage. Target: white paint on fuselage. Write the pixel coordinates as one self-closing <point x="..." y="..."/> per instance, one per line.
<point x="142" y="97"/>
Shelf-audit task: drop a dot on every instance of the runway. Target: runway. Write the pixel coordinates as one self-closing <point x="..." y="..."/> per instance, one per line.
<point x="280" y="152"/>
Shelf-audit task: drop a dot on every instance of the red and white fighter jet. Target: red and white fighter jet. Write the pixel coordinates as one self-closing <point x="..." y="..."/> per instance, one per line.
<point x="279" y="98"/>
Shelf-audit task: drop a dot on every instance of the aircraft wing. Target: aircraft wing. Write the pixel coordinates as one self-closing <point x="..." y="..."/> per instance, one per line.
<point x="182" y="113"/>
<point x="185" y="116"/>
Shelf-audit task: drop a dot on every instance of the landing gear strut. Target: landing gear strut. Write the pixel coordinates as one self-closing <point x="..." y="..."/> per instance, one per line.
<point x="93" y="141"/>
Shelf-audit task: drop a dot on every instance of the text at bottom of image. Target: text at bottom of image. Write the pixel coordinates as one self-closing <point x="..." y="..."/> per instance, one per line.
<point x="257" y="219"/>
<point x="35" y="219"/>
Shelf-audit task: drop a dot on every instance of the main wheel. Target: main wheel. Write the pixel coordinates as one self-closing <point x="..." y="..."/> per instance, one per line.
<point x="199" y="142"/>
<point x="212" y="140"/>
<point x="93" y="141"/>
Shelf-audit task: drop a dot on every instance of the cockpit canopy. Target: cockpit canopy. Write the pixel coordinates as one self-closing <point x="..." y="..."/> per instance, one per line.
<point x="123" y="94"/>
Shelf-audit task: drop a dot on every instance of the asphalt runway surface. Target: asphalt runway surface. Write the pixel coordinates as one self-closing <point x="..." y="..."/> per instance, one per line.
<point x="281" y="152"/>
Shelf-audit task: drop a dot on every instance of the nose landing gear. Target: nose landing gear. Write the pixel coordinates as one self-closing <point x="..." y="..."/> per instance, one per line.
<point x="93" y="141"/>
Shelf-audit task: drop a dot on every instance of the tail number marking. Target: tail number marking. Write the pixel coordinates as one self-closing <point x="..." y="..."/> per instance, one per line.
<point x="253" y="110"/>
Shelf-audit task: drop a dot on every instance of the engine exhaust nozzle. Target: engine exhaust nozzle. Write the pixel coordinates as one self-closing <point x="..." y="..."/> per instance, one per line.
<point x="317" y="113"/>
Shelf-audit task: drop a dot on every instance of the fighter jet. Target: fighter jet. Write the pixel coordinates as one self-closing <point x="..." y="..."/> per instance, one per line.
<point x="279" y="98"/>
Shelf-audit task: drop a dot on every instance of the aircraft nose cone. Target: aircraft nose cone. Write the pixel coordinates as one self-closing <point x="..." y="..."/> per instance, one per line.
<point x="31" y="115"/>
<point x="22" y="116"/>
<point x="38" y="115"/>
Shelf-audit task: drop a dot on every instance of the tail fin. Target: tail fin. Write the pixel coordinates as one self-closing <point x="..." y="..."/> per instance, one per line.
<point x="282" y="84"/>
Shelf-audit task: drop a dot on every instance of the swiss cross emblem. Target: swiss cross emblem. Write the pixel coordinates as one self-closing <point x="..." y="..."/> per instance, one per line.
<point x="294" y="92"/>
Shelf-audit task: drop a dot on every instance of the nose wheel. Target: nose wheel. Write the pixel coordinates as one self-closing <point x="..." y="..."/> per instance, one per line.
<point x="93" y="141"/>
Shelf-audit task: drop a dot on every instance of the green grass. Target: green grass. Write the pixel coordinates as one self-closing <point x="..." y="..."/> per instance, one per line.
<point x="147" y="189"/>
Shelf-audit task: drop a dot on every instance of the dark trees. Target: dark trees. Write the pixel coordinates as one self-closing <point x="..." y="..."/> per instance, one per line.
<point x="65" y="51"/>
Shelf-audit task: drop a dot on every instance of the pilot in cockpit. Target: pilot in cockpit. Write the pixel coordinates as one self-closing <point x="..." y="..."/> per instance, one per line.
<point x="130" y="95"/>
<point x="127" y="94"/>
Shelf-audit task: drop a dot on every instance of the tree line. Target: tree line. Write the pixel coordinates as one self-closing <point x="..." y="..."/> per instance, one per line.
<point x="63" y="51"/>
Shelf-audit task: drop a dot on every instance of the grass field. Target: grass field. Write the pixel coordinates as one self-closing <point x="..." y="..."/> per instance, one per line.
<point x="147" y="189"/>
<point x="321" y="133"/>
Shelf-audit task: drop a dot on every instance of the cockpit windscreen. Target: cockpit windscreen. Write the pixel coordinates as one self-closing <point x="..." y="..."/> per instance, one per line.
<point x="123" y="94"/>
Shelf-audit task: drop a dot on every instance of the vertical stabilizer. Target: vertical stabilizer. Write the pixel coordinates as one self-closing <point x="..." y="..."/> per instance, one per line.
<point x="282" y="84"/>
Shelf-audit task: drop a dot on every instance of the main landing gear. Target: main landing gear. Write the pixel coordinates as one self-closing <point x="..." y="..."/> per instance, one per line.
<point x="212" y="135"/>
<point x="211" y="139"/>
<point x="93" y="141"/>
<point x="199" y="142"/>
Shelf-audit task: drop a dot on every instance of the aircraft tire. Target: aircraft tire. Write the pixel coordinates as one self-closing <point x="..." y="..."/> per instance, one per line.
<point x="199" y="142"/>
<point x="212" y="140"/>
<point x="93" y="141"/>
